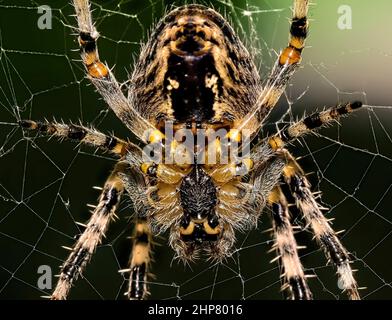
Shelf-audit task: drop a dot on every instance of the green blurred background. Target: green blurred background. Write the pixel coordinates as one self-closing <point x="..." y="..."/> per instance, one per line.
<point x="45" y="186"/>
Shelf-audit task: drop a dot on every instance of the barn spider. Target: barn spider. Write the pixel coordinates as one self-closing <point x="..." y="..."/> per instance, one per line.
<point x="195" y="74"/>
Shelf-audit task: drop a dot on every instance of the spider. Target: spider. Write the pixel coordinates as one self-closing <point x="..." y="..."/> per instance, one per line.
<point x="195" y="75"/>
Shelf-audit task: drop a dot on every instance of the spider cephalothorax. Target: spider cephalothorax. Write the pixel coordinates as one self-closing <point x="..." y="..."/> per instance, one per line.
<point x="196" y="77"/>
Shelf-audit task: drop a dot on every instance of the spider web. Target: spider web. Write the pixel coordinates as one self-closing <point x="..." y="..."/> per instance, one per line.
<point x="45" y="185"/>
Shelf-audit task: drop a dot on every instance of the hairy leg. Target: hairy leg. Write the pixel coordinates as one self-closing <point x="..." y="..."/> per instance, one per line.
<point x="325" y="236"/>
<point x="295" y="178"/>
<point x="85" y="246"/>
<point x="286" y="245"/>
<point x="284" y="68"/>
<point x="309" y="124"/>
<point x="82" y="135"/>
<point x="140" y="260"/>
<point x="101" y="76"/>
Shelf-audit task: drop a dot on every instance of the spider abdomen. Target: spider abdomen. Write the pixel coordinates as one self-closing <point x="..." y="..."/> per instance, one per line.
<point x="194" y="69"/>
<point x="192" y="84"/>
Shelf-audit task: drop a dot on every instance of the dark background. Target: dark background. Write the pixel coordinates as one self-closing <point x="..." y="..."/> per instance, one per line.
<point x="45" y="185"/>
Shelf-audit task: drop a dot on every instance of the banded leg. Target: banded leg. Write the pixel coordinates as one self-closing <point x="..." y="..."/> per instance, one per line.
<point x="324" y="234"/>
<point x="286" y="245"/>
<point x="307" y="125"/>
<point x="140" y="261"/>
<point x="318" y="120"/>
<point x="81" y="134"/>
<point x="102" y="77"/>
<point x="284" y="68"/>
<point x="92" y="235"/>
<point x="294" y="176"/>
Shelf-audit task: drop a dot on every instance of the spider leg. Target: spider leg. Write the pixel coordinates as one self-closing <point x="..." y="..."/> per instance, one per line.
<point x="271" y="148"/>
<point x="294" y="176"/>
<point x="141" y="255"/>
<point x="93" y="234"/>
<point x="336" y="253"/>
<point x="317" y="120"/>
<point x="287" y="248"/>
<point x="284" y="68"/>
<point x="101" y="76"/>
<point x="305" y="126"/>
<point x="83" y="135"/>
<point x="139" y="261"/>
<point x="265" y="180"/>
